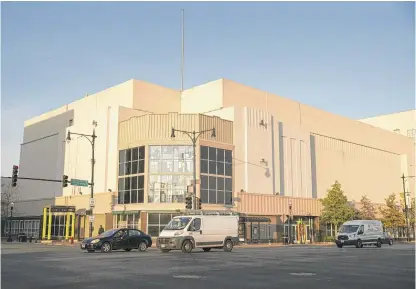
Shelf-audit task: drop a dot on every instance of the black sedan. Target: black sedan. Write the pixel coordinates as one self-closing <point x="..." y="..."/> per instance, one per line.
<point x="116" y="239"/>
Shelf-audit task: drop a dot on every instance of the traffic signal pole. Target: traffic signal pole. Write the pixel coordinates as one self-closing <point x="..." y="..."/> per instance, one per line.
<point x="405" y="208"/>
<point x="194" y="139"/>
<point x="91" y="139"/>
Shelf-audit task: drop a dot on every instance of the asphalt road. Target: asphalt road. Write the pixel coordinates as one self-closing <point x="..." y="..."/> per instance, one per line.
<point x="33" y="266"/>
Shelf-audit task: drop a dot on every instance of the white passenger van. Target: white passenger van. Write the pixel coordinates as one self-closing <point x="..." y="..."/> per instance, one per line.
<point x="360" y="232"/>
<point x="206" y="231"/>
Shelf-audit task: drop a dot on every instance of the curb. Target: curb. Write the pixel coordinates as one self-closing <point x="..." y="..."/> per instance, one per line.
<point x="282" y="245"/>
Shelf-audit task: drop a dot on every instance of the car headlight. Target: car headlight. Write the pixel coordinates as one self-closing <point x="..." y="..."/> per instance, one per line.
<point x="178" y="233"/>
<point x="95" y="241"/>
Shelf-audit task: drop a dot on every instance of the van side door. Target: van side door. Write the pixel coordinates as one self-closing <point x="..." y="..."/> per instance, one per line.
<point x="195" y="230"/>
<point x="361" y="233"/>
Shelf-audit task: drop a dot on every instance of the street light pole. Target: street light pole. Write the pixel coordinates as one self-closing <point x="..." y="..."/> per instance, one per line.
<point x="193" y="135"/>
<point x="406" y="207"/>
<point x="9" y="239"/>
<point x="290" y="222"/>
<point x="91" y="139"/>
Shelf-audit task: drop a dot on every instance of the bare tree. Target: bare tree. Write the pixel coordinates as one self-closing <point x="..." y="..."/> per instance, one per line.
<point x="8" y="195"/>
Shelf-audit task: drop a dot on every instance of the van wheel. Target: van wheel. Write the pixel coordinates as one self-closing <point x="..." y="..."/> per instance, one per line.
<point x="206" y="249"/>
<point x="359" y="244"/>
<point x="228" y="246"/>
<point x="187" y="246"/>
<point x="378" y="243"/>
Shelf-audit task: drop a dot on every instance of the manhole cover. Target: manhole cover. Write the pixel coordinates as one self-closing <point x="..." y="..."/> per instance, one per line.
<point x="302" y="274"/>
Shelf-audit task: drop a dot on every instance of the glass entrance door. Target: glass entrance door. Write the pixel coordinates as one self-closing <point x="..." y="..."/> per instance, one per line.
<point x="292" y="233"/>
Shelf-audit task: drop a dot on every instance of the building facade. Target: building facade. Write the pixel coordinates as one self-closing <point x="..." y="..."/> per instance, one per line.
<point x="268" y="152"/>
<point x="403" y="122"/>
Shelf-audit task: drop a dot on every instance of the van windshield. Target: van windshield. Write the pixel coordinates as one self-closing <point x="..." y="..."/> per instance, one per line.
<point x="348" y="228"/>
<point x="178" y="223"/>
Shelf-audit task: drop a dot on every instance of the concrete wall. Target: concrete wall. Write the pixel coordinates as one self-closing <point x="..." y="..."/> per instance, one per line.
<point x="203" y="98"/>
<point x="365" y="159"/>
<point x="42" y="155"/>
<point x="400" y="122"/>
<point x="154" y="98"/>
<point x="52" y="157"/>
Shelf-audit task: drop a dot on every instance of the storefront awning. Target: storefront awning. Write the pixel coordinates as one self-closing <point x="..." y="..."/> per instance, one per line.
<point x="254" y="219"/>
<point x="125" y="212"/>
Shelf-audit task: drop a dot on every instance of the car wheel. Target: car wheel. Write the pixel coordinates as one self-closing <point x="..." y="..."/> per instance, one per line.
<point x="359" y="244"/>
<point x="339" y="245"/>
<point x="165" y="251"/>
<point x="142" y="246"/>
<point x="206" y="249"/>
<point x="378" y="243"/>
<point x="228" y="246"/>
<point x="106" y="247"/>
<point x="127" y="249"/>
<point x="187" y="246"/>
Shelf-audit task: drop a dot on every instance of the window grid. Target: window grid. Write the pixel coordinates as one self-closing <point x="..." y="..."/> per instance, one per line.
<point x="170" y="172"/>
<point x="216" y="176"/>
<point x="131" y="175"/>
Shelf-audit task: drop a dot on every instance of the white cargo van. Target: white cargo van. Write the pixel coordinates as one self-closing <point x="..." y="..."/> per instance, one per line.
<point x="199" y="231"/>
<point x="359" y="233"/>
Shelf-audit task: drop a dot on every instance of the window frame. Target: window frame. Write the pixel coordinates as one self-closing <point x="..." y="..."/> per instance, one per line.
<point x="125" y="188"/>
<point x="223" y="175"/>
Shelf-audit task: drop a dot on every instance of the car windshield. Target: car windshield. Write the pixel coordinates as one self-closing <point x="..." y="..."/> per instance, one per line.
<point x="348" y="228"/>
<point x="108" y="233"/>
<point x="178" y="223"/>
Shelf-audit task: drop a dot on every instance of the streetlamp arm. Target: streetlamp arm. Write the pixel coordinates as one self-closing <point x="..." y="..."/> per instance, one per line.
<point x="197" y="133"/>
<point x="87" y="136"/>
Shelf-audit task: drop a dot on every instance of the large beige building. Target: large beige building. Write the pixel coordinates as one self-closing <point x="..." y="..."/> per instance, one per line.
<point x="269" y="151"/>
<point x="403" y="122"/>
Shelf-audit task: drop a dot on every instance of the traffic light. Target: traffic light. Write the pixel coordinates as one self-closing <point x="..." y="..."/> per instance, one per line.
<point x="14" y="175"/>
<point x="199" y="203"/>
<point x="64" y="181"/>
<point x="188" y="202"/>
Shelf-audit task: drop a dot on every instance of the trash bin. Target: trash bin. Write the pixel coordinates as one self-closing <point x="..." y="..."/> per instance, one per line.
<point x="22" y="238"/>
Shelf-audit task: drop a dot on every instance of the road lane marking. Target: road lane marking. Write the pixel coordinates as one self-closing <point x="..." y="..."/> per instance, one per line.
<point x="302" y="274"/>
<point x="187" y="277"/>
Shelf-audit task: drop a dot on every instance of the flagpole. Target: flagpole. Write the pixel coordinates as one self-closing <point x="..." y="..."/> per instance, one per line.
<point x="183" y="47"/>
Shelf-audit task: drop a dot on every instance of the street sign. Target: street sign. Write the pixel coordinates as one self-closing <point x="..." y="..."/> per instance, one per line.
<point x="91" y="218"/>
<point x="79" y="183"/>
<point x="62" y="209"/>
<point x="92" y="203"/>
